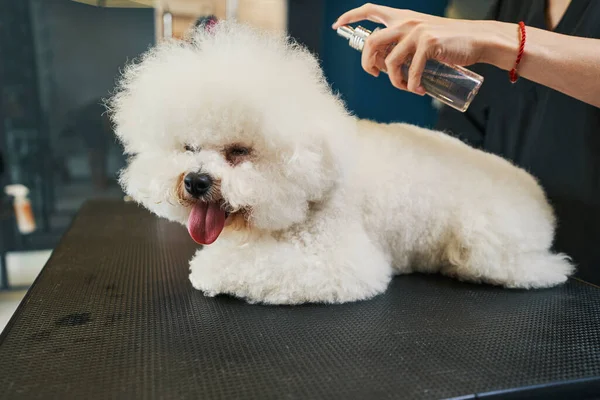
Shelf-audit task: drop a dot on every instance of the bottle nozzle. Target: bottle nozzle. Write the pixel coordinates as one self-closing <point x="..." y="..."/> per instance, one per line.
<point x="345" y="31"/>
<point x="16" y="190"/>
<point x="356" y="36"/>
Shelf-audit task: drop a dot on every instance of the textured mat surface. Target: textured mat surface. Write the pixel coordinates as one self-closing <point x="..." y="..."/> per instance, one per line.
<point x="113" y="315"/>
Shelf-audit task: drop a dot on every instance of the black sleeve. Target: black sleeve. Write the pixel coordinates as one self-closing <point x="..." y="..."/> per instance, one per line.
<point x="470" y="125"/>
<point x="494" y="11"/>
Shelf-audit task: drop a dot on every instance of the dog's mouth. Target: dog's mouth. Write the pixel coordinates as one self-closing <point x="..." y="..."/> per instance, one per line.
<point x="206" y="221"/>
<point x="210" y="214"/>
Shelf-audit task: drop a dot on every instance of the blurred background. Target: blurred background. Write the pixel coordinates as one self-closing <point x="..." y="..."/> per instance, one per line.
<point x="59" y="59"/>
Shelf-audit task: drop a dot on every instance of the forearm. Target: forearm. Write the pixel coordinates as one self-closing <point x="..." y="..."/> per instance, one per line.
<point x="568" y="64"/>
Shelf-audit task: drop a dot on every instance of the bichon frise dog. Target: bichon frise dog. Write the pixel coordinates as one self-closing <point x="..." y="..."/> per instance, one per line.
<point x="236" y="134"/>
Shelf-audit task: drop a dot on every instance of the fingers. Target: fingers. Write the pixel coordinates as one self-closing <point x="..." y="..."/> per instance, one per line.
<point x="368" y="62"/>
<point x="388" y="36"/>
<point x="379" y="44"/>
<point x="376" y="48"/>
<point x="369" y="12"/>
<point x="410" y="47"/>
<point x="397" y="57"/>
<point x="375" y="57"/>
<point x="417" y="66"/>
<point x="380" y="62"/>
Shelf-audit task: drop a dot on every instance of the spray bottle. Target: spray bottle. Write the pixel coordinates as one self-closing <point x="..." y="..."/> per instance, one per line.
<point x="22" y="206"/>
<point x="452" y="85"/>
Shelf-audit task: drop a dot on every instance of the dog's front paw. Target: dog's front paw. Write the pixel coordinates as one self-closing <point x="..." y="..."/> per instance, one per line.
<point x="205" y="283"/>
<point x="207" y="276"/>
<point x="208" y="288"/>
<point x="284" y="275"/>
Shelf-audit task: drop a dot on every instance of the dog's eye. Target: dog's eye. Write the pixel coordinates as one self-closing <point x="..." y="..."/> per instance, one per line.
<point x="189" y="148"/>
<point x="236" y="154"/>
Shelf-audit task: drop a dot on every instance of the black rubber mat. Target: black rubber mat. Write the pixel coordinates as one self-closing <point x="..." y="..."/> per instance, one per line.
<point x="113" y="315"/>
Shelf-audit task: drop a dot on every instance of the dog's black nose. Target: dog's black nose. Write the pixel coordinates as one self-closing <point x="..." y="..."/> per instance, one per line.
<point x="197" y="184"/>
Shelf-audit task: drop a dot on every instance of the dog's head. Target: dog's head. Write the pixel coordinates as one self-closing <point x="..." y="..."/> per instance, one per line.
<point x="230" y="128"/>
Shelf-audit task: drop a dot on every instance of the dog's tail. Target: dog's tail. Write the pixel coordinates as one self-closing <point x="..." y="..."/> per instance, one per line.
<point x="540" y="270"/>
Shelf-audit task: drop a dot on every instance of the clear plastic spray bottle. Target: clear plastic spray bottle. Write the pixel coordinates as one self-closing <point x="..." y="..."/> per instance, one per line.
<point x="452" y="85"/>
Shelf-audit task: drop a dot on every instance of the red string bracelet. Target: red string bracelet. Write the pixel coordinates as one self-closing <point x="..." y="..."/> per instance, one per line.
<point x="513" y="75"/>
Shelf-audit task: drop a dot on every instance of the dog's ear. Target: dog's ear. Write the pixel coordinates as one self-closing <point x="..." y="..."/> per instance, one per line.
<point x="316" y="168"/>
<point x="331" y="160"/>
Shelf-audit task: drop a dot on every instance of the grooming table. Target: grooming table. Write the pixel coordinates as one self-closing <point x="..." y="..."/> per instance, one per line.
<point x="113" y="315"/>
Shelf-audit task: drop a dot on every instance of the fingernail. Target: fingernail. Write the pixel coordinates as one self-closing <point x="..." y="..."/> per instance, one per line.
<point x="421" y="90"/>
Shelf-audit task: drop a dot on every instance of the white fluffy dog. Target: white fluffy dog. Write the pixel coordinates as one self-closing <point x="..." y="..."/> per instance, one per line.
<point x="237" y="134"/>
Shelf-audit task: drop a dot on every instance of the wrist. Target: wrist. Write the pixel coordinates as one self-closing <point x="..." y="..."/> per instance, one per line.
<point x="499" y="44"/>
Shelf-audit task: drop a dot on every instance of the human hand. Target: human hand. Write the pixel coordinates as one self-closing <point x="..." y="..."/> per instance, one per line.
<point x="420" y="36"/>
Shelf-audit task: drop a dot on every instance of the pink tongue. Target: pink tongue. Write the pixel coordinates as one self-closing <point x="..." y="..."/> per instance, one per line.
<point x="206" y="222"/>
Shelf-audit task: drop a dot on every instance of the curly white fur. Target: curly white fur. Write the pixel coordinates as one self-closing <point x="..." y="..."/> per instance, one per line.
<point x="338" y="205"/>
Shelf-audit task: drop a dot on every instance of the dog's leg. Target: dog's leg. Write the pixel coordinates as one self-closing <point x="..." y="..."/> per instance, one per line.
<point x="505" y="264"/>
<point x="275" y="272"/>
